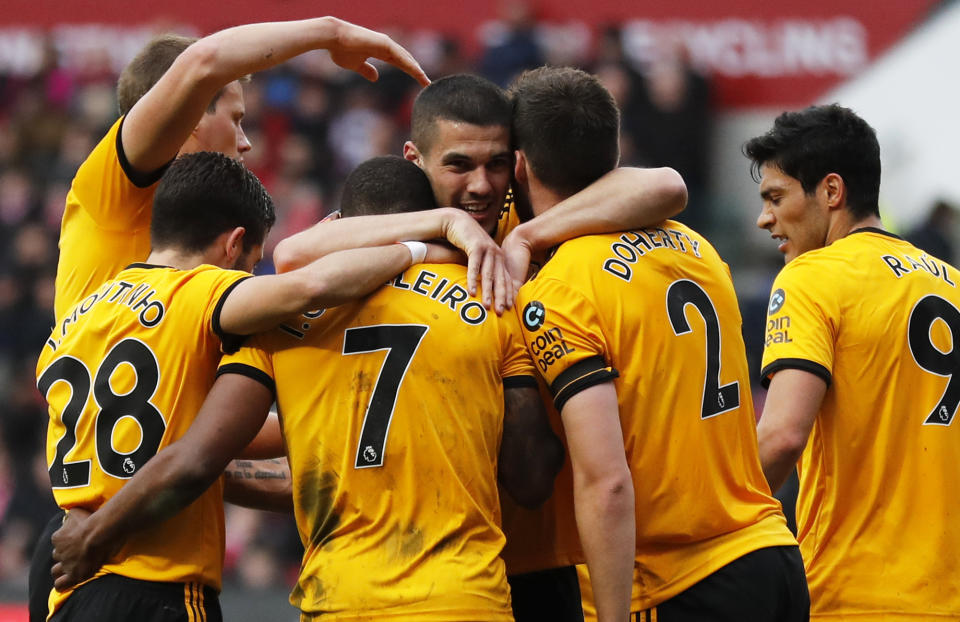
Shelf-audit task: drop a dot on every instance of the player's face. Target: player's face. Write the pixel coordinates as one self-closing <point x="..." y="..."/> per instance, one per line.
<point x="221" y="130"/>
<point x="795" y="219"/>
<point x="249" y="260"/>
<point x="469" y="167"/>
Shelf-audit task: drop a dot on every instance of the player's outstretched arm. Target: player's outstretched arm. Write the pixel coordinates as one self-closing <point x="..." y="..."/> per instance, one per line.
<point x="157" y="126"/>
<point x="530" y="453"/>
<point x="485" y="263"/>
<point x="793" y="401"/>
<point x="229" y="418"/>
<point x="603" y="496"/>
<point x="262" y="302"/>
<point x="625" y="198"/>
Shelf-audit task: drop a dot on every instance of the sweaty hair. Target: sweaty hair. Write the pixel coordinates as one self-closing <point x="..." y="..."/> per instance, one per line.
<point x="386" y="185"/>
<point x="810" y="144"/>
<point x="205" y="194"/>
<point x="567" y="125"/>
<point x="465" y="98"/>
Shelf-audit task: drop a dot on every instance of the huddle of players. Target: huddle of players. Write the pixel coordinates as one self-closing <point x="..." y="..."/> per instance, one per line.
<point x="399" y="514"/>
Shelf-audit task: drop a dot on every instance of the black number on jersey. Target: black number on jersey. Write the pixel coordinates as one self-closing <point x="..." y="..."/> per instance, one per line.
<point x="929" y="357"/>
<point x="401" y="342"/>
<point x="112" y="408"/>
<point x="74" y="373"/>
<point x="716" y="399"/>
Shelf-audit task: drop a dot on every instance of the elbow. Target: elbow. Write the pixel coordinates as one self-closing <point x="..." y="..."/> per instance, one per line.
<point x="780" y="446"/>
<point x="612" y="493"/>
<point x="674" y="191"/>
<point x="201" y="59"/>
<point x="284" y="257"/>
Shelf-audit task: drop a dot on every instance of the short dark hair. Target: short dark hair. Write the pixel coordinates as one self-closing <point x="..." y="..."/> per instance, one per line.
<point x="567" y="125"/>
<point x="810" y="144"/>
<point x="461" y="97"/>
<point x="205" y="194"/>
<point x="386" y="185"/>
<point x="147" y="67"/>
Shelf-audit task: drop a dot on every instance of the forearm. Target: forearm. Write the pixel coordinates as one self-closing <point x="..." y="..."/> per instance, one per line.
<point x="777" y="458"/>
<point x="607" y="527"/>
<point x="625" y="198"/>
<point x="259" y="484"/>
<point x="343" y="234"/>
<point x="164" y="486"/>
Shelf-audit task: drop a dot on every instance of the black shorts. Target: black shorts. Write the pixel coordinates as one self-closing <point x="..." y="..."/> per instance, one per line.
<point x="552" y="594"/>
<point x="767" y="585"/>
<point x="112" y="598"/>
<point x="40" y="581"/>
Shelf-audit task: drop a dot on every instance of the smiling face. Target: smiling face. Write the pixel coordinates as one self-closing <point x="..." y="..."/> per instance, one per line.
<point x="468" y="166"/>
<point x="798" y="221"/>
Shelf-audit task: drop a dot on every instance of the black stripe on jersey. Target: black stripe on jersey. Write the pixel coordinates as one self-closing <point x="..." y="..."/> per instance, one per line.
<point x="875" y="230"/>
<point x="137" y="178"/>
<point x="250" y="372"/>
<point x="579" y="376"/>
<point x="814" y="368"/>
<point x="517" y="382"/>
<point x="229" y="343"/>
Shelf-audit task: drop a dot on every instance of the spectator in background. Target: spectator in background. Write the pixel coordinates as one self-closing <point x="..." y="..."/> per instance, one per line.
<point x="511" y="45"/>
<point x="935" y="235"/>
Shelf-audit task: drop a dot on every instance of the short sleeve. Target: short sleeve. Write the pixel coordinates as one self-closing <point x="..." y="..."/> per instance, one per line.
<point x="800" y="326"/>
<point x="517" y="366"/>
<point x="562" y="332"/>
<point x="252" y="360"/>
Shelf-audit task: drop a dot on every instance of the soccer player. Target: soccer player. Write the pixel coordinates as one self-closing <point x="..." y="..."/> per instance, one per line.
<point x="196" y="105"/>
<point x="460" y="136"/>
<point x="418" y="401"/>
<point x="861" y="361"/>
<point x="638" y="336"/>
<point x="146" y="345"/>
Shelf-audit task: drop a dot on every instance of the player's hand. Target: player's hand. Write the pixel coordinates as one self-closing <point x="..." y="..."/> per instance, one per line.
<point x="517" y="253"/>
<point x="484" y="259"/>
<point x="75" y="560"/>
<point x="353" y="45"/>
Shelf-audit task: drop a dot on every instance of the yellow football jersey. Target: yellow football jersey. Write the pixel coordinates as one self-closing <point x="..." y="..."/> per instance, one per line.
<point x="125" y="372"/>
<point x="878" y="319"/>
<point x="106" y="222"/>
<point x="654" y="311"/>
<point x="507" y="219"/>
<point x="392" y="410"/>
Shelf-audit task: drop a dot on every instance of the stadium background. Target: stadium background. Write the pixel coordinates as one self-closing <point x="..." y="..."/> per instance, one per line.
<point x="694" y="79"/>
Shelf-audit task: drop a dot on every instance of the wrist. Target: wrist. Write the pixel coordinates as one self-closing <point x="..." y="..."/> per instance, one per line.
<point x="418" y="251"/>
<point x="526" y="235"/>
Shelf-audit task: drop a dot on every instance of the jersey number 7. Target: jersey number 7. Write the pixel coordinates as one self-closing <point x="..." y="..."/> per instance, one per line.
<point x="401" y="342"/>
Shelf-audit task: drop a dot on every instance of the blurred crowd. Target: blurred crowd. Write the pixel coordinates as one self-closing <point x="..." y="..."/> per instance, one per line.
<point x="309" y="124"/>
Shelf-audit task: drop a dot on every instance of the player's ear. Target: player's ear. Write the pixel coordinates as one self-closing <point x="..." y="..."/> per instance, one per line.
<point x="835" y="190"/>
<point x="412" y="154"/>
<point x="233" y="245"/>
<point x="520" y="167"/>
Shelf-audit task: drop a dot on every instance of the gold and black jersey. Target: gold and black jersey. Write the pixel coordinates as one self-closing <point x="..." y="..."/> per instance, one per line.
<point x="654" y="311"/>
<point x="879" y="320"/>
<point x="507" y="219"/>
<point x="106" y="221"/>
<point x="124" y="373"/>
<point x="392" y="410"/>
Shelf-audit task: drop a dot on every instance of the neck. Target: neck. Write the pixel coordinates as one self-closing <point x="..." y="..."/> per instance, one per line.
<point x="845" y="223"/>
<point x="176" y="258"/>
<point x="541" y="197"/>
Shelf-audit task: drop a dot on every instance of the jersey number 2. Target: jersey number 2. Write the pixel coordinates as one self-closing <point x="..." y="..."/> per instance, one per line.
<point x="113" y="408"/>
<point x="929" y="357"/>
<point x="716" y="399"/>
<point x="401" y="342"/>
